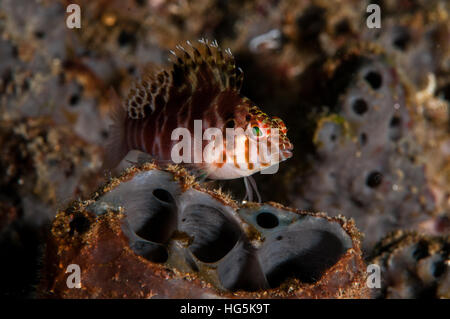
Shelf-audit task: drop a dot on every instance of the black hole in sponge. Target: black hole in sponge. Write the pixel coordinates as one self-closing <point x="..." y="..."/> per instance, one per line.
<point x="79" y="223"/>
<point x="395" y="121"/>
<point x="141" y="3"/>
<point x="439" y="268"/>
<point x="74" y="99"/>
<point x="267" y="220"/>
<point x="151" y="251"/>
<point x="401" y="40"/>
<point x="420" y="250"/>
<point x="395" y="131"/>
<point x="163" y="195"/>
<point x="444" y="92"/>
<point x="162" y="218"/>
<point x="342" y="27"/>
<point x="304" y="254"/>
<point x="104" y="134"/>
<point x="374" y="79"/>
<point x="374" y="179"/>
<point x="360" y="106"/>
<point x="39" y="34"/>
<point x="214" y="235"/>
<point x="126" y="38"/>
<point x="363" y="139"/>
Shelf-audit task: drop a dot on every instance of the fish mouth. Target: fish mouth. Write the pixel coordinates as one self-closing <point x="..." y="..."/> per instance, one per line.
<point x="287" y="154"/>
<point x="286" y="151"/>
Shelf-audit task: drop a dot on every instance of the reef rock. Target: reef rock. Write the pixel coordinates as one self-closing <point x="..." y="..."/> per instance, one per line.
<point x="413" y="265"/>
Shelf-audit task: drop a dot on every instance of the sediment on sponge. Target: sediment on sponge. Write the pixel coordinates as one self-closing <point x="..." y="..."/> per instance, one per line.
<point x="150" y="228"/>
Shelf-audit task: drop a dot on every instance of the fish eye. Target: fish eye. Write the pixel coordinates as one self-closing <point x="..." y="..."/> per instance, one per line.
<point x="256" y="131"/>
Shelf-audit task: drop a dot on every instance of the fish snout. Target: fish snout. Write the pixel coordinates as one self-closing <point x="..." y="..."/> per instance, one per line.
<point x="286" y="150"/>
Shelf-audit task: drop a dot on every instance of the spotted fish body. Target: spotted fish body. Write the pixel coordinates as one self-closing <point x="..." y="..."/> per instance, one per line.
<point x="202" y="84"/>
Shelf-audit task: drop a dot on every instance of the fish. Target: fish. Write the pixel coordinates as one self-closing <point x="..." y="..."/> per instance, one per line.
<point x="202" y="84"/>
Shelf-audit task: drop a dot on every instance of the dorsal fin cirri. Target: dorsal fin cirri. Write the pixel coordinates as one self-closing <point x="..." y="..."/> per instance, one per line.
<point x="202" y="66"/>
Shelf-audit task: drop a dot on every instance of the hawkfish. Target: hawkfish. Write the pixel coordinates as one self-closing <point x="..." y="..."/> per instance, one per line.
<point x="201" y="85"/>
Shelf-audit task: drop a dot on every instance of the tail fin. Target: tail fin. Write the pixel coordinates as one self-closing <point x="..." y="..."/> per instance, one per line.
<point x="116" y="146"/>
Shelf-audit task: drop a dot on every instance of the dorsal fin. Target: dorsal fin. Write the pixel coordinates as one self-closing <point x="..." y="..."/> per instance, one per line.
<point x="199" y="67"/>
<point x="142" y="97"/>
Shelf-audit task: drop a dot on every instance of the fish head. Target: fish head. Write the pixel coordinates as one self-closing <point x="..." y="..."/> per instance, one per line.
<point x="260" y="141"/>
